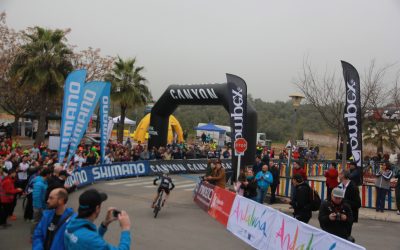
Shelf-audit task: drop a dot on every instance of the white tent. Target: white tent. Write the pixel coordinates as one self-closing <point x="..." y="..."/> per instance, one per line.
<point x="127" y="121"/>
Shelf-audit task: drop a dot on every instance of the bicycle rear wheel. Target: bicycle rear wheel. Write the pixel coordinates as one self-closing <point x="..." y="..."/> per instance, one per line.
<point x="157" y="208"/>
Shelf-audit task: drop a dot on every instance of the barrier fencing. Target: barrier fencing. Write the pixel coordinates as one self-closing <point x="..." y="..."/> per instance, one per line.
<point x="316" y="169"/>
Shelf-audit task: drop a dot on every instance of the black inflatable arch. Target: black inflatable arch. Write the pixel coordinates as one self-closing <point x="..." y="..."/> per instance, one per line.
<point x="232" y="95"/>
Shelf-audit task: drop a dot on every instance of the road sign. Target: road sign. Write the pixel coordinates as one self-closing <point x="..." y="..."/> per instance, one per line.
<point x="240" y="146"/>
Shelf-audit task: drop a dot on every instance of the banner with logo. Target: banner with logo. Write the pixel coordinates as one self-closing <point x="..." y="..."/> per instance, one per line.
<point x="251" y="222"/>
<point x="288" y="233"/>
<point x="104" y="122"/>
<point x="73" y="90"/>
<point x="91" y="174"/>
<point x="352" y="114"/>
<point x="204" y="195"/>
<point x="221" y="204"/>
<point x="185" y="166"/>
<point x="90" y="97"/>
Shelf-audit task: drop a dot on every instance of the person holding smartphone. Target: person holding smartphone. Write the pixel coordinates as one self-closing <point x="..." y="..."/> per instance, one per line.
<point x="82" y="233"/>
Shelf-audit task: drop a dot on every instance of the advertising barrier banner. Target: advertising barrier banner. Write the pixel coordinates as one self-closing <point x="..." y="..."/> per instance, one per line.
<point x="221" y="204"/>
<point x="185" y="166"/>
<point x="88" y="175"/>
<point x="204" y="195"/>
<point x="251" y="222"/>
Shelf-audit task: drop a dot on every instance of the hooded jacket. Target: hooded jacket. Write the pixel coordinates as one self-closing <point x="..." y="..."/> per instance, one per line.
<point x="83" y="234"/>
<point x="39" y="236"/>
<point x="39" y="192"/>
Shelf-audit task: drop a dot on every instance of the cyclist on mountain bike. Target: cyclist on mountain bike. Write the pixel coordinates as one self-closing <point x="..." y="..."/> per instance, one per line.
<point x="165" y="183"/>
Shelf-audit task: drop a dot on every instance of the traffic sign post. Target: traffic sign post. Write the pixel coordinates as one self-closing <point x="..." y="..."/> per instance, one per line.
<point x="240" y="147"/>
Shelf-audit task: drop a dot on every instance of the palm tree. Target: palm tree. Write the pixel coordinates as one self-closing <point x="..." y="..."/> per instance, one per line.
<point x="381" y="133"/>
<point x="43" y="63"/>
<point x="127" y="88"/>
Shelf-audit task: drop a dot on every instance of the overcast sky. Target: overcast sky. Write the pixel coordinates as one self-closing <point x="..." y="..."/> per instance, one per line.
<point x="192" y="42"/>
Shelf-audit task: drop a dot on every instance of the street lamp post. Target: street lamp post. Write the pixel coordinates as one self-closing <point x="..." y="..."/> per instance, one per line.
<point x="296" y="100"/>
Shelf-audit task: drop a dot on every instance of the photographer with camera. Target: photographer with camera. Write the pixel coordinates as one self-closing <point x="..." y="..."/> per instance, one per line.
<point x="335" y="216"/>
<point x="82" y="233"/>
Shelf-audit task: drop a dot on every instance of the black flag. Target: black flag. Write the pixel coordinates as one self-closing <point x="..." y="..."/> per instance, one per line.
<point x="352" y="112"/>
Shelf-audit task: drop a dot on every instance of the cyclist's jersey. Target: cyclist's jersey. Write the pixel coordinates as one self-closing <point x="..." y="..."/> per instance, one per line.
<point x="165" y="182"/>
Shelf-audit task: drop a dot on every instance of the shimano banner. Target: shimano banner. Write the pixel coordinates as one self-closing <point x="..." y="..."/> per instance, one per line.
<point x="91" y="174"/>
<point x="104" y="110"/>
<point x="91" y="94"/>
<point x="352" y="114"/>
<point x="73" y="90"/>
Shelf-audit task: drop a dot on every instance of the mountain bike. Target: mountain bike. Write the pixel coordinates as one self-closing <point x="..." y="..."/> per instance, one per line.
<point x="158" y="205"/>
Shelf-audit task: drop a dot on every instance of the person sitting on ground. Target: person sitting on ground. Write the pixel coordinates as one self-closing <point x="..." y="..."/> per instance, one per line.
<point x="335" y="215"/>
<point x="217" y="175"/>
<point x="166" y="184"/>
<point x="82" y="233"/>
<point x="301" y="201"/>
<point x="49" y="233"/>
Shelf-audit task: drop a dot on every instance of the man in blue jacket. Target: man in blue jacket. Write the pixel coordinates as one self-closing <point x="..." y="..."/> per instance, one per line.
<point x="264" y="179"/>
<point x="39" y="196"/>
<point x="49" y="233"/>
<point x="82" y="233"/>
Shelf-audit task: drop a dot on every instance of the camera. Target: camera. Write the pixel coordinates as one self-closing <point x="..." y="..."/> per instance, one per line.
<point x="116" y="212"/>
<point x="337" y="216"/>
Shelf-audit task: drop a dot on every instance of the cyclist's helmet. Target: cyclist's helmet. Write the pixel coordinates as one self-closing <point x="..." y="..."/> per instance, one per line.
<point x="165" y="172"/>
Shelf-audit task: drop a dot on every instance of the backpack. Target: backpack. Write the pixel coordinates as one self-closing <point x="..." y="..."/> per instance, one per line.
<point x="315" y="200"/>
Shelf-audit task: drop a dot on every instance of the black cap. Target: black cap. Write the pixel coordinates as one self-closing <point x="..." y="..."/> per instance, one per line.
<point x="298" y="178"/>
<point x="90" y="199"/>
<point x="64" y="173"/>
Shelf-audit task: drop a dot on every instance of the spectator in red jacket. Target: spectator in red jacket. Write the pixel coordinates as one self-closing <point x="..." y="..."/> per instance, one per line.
<point x="298" y="168"/>
<point x="7" y="195"/>
<point x="331" y="179"/>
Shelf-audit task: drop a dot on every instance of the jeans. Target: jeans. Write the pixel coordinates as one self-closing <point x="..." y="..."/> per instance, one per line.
<point x="261" y="195"/>
<point x="380" y="198"/>
<point x="37" y="216"/>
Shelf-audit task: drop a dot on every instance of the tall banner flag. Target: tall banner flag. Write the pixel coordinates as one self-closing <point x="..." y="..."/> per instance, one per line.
<point x="90" y="97"/>
<point x="352" y="113"/>
<point x="73" y="90"/>
<point x="237" y="96"/>
<point x="104" y="110"/>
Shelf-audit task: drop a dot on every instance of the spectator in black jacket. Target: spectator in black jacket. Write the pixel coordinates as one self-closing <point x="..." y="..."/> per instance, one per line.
<point x="274" y="169"/>
<point x="57" y="180"/>
<point x="249" y="186"/>
<point x="351" y="193"/>
<point x="301" y="201"/>
<point x="335" y="216"/>
<point x="355" y="174"/>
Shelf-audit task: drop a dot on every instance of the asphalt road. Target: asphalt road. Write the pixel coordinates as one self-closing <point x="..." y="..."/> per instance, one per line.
<point x="181" y="224"/>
